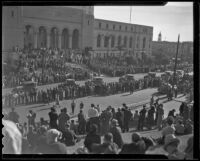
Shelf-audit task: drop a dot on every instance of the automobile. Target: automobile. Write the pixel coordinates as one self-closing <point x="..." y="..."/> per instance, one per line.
<point x="29" y="86"/>
<point x="17" y="89"/>
<point x="126" y="78"/>
<point x="69" y="82"/>
<point x="152" y="74"/>
<point x="163" y="89"/>
<point x="170" y="73"/>
<point x="180" y="72"/>
<point x="97" y="81"/>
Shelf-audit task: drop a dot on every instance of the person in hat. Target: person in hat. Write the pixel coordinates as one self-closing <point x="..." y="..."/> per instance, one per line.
<point x="169" y="129"/>
<point x="142" y="118"/>
<point x="13" y="116"/>
<point x="172" y="113"/>
<point x="63" y="118"/>
<point x="92" y="137"/>
<point x="108" y="146"/>
<point x="31" y="118"/>
<point x="127" y="117"/>
<point x="53" y="118"/>
<point x="179" y="128"/>
<point x="53" y="146"/>
<point x="116" y="132"/>
<point x="171" y="146"/>
<point x="136" y="147"/>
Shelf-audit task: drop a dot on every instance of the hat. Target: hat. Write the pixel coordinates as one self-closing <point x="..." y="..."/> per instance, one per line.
<point x="124" y="104"/>
<point x="170" y="138"/>
<point x="114" y="122"/>
<point x="52" y="134"/>
<point x="136" y="137"/>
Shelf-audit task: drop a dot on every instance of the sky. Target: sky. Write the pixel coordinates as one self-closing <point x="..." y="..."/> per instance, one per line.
<point x="172" y="19"/>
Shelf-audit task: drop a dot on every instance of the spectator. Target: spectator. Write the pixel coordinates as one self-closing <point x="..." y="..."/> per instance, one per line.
<point x="127" y="117"/>
<point x="171" y="113"/>
<point x="189" y="149"/>
<point x="186" y="113"/>
<point x="13" y="116"/>
<point x="136" y="147"/>
<point x="179" y="128"/>
<point x="171" y="146"/>
<point x="108" y="146"/>
<point x="169" y="129"/>
<point x="32" y="137"/>
<point x="181" y="108"/>
<point x="142" y="118"/>
<point x="119" y="117"/>
<point x="69" y="137"/>
<point x="106" y="117"/>
<point x="150" y="117"/>
<point x="188" y="127"/>
<point x="53" y="118"/>
<point x="160" y="116"/>
<point x="81" y="123"/>
<point x="81" y="105"/>
<point x="73" y="127"/>
<point x="73" y="105"/>
<point x="31" y="118"/>
<point x="92" y="137"/>
<point x="63" y="118"/>
<point x="117" y="137"/>
<point x="53" y="145"/>
<point x="12" y="138"/>
<point x="93" y="117"/>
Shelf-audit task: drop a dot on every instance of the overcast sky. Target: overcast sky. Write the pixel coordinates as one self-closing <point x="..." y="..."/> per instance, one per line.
<point x="172" y="19"/>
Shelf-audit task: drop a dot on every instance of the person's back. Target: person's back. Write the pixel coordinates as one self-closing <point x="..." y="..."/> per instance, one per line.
<point x="131" y="148"/>
<point x="69" y="137"/>
<point x="62" y="120"/>
<point x="53" y="119"/>
<point x="117" y="137"/>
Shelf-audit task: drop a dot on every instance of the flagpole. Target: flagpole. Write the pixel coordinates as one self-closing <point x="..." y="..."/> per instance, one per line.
<point x="130" y="13"/>
<point x="175" y="63"/>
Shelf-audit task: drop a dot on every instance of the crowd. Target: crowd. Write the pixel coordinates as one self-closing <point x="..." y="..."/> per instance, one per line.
<point x="112" y="66"/>
<point x="63" y="92"/>
<point x="44" y="66"/>
<point x="60" y="132"/>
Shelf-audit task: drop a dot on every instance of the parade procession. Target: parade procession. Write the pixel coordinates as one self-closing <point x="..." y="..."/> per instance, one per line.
<point x="76" y="84"/>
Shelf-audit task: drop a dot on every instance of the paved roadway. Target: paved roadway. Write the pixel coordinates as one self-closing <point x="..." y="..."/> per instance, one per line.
<point x="104" y="101"/>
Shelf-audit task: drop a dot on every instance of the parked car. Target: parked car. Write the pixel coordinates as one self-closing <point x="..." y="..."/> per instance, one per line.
<point x="97" y="81"/>
<point x="126" y="78"/>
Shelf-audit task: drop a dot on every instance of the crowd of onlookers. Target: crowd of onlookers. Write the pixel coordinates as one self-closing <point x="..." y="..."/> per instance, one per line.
<point x="112" y="66"/>
<point x="61" y="131"/>
<point x="44" y="66"/>
<point x="65" y="92"/>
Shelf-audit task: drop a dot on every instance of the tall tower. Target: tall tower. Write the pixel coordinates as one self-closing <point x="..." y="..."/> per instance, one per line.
<point x="87" y="26"/>
<point x="160" y="37"/>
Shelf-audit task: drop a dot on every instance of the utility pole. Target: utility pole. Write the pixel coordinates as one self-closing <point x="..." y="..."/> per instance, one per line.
<point x="174" y="79"/>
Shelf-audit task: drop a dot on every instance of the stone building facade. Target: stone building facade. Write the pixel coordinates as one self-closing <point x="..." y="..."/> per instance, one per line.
<point x="72" y="27"/>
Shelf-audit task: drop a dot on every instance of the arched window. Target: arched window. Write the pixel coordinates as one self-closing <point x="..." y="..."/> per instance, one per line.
<point x="65" y="39"/>
<point x="112" y="41"/>
<point x="29" y="36"/>
<point x="144" y="43"/>
<point x="125" y="41"/>
<point x="106" y="41"/>
<point x="75" y="39"/>
<point x="54" y="38"/>
<point x="42" y="40"/>
<point x="130" y="42"/>
<point x="119" y="40"/>
<point x="99" y="41"/>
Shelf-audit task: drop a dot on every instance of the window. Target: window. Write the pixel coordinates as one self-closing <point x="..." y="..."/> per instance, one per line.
<point x="131" y="28"/>
<point x="125" y="41"/>
<point x="126" y="28"/>
<point x="119" y="40"/>
<point x="88" y="22"/>
<point x="106" y="41"/>
<point x="107" y="26"/>
<point x="99" y="41"/>
<point x="12" y="13"/>
<point x="120" y="27"/>
<point x="130" y="42"/>
<point x="138" y="39"/>
<point x="112" y="41"/>
<point x="99" y="25"/>
<point x="144" y="42"/>
<point x="113" y="27"/>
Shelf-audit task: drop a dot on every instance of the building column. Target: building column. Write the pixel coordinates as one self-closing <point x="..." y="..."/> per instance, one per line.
<point x="48" y="38"/>
<point x="59" y="40"/>
<point x="36" y="38"/>
<point x="70" y="40"/>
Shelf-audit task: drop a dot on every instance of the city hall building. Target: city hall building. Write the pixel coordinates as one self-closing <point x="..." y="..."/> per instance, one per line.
<point x="72" y="27"/>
